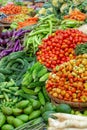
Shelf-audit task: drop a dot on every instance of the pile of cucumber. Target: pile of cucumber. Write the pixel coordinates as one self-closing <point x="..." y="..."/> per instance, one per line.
<point x="24" y="103"/>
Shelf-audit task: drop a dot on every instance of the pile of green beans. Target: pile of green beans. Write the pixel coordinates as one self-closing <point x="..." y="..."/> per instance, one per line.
<point x="46" y="26"/>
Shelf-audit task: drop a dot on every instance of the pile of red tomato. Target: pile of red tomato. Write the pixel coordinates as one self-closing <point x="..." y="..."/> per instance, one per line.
<point x="59" y="47"/>
<point x="68" y="81"/>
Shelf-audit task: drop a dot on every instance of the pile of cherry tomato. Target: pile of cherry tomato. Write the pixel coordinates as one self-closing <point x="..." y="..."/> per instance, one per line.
<point x="59" y="47"/>
<point x="69" y="80"/>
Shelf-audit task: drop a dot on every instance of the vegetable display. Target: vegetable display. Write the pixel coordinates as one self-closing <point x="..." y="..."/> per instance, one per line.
<point x="11" y="41"/>
<point x="12" y="9"/>
<point x="27" y="22"/>
<point x="15" y="18"/>
<point x="70" y="23"/>
<point x="63" y="7"/>
<point x="31" y="101"/>
<point x="45" y="26"/>
<point x="68" y="81"/>
<point x="77" y="15"/>
<point x="59" y="47"/>
<point x="14" y="66"/>
<point x="81" y="49"/>
<point x="43" y="65"/>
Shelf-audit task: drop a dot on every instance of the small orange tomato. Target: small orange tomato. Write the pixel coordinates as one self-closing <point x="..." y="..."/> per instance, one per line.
<point x="63" y="92"/>
<point x="60" y="96"/>
<point x="73" y="90"/>
<point x="49" y="89"/>
<point x="66" y="86"/>
<point x="74" y="95"/>
<point x="69" y="92"/>
<point x="58" y="90"/>
<point x="67" y="95"/>
<point x="55" y="94"/>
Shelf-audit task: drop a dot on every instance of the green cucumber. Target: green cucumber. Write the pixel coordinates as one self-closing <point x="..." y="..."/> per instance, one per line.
<point x="17" y="122"/>
<point x="7" y="127"/>
<point x="22" y="104"/>
<point x="2" y="119"/>
<point x="23" y="117"/>
<point x="34" y="114"/>
<point x="16" y="111"/>
<point x="10" y="119"/>
<point x="28" y="110"/>
<point x="35" y="103"/>
<point x="6" y="110"/>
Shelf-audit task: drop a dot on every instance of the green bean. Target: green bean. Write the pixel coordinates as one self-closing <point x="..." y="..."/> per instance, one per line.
<point x="50" y="24"/>
<point x="40" y="31"/>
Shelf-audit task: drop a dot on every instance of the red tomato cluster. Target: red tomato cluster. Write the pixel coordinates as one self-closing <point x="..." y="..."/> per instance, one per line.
<point x="69" y="81"/>
<point x="59" y="47"/>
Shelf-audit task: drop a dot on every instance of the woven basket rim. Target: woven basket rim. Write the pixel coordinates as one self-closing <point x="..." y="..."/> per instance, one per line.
<point x="73" y="104"/>
<point x="4" y="22"/>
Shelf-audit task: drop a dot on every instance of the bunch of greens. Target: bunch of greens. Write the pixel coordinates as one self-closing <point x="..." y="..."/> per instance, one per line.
<point x="81" y="49"/>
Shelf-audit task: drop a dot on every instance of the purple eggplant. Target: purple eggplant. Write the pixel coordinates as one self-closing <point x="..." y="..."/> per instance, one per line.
<point x="16" y="45"/>
<point x="5" y="52"/>
<point x="21" y="33"/>
<point x="1" y="41"/>
<point x="11" y="41"/>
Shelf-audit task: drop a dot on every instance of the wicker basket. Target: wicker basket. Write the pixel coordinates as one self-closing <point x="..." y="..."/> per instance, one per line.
<point x="74" y="105"/>
<point x="4" y="22"/>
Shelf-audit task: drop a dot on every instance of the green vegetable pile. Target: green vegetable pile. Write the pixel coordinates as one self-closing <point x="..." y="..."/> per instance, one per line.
<point x="14" y="66"/>
<point x="63" y="7"/>
<point x="70" y="23"/>
<point x="81" y="49"/>
<point x="45" y="26"/>
<point x="26" y="102"/>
